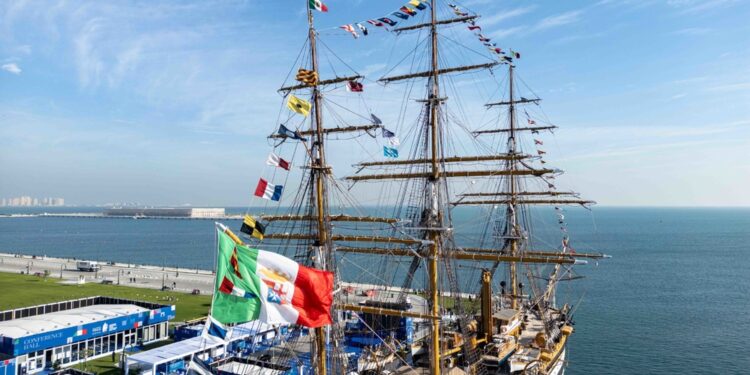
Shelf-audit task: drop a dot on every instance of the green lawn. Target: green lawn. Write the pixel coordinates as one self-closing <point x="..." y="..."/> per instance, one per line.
<point x="22" y="290"/>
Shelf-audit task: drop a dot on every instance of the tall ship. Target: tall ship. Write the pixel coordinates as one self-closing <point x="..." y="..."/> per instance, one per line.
<point x="435" y="264"/>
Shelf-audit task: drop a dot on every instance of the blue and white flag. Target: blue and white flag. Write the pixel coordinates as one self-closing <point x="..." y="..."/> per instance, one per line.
<point x="216" y="329"/>
<point x="286" y="133"/>
<point x="390" y="152"/>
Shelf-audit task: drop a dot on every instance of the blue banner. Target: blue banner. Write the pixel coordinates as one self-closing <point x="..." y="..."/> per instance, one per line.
<point x="69" y="335"/>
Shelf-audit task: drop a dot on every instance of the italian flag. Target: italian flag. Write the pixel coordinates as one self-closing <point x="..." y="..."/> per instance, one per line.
<point x="318" y="5"/>
<point x="253" y="284"/>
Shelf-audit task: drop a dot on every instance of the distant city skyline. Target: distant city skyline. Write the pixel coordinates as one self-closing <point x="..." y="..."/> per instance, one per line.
<point x="28" y="201"/>
<point x="170" y="102"/>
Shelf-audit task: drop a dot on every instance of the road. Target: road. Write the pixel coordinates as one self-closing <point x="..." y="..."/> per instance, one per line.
<point x="152" y="277"/>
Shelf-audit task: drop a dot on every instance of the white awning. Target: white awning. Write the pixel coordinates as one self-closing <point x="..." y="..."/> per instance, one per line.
<point x="185" y="348"/>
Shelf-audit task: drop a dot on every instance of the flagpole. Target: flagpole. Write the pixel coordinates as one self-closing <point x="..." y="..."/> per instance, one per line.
<point x="216" y="268"/>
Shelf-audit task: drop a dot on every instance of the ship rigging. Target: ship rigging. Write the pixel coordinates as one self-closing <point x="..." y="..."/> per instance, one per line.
<point x="450" y="320"/>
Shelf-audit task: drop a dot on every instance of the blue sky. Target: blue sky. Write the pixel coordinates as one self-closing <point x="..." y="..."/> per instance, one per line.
<point x="169" y="102"/>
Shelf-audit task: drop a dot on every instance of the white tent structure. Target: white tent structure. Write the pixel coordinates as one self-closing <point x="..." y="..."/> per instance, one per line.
<point x="197" y="347"/>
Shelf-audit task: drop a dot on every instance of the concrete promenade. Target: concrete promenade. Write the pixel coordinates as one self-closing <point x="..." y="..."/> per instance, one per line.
<point x="153" y="277"/>
<point x="103" y="216"/>
<point x="144" y="276"/>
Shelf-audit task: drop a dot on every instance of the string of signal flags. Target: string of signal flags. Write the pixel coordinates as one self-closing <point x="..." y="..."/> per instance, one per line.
<point x="411" y="9"/>
<point x="506" y="58"/>
<point x="559" y="211"/>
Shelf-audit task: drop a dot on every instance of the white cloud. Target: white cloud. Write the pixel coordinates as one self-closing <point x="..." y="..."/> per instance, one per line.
<point x="89" y="63"/>
<point x="11" y="68"/>
<point x="697" y="6"/>
<point x="690" y="80"/>
<point x="502" y="33"/>
<point x="471" y="3"/>
<point x="579" y="37"/>
<point x="502" y="16"/>
<point x="692" y="31"/>
<point x="546" y="23"/>
<point x="558" y="20"/>
<point x="24" y="49"/>
<point x="737" y="86"/>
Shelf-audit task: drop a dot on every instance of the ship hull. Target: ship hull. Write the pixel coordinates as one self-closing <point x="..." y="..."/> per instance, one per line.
<point x="559" y="367"/>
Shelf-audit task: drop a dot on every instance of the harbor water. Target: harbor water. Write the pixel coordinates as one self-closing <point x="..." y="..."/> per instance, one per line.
<point x="674" y="299"/>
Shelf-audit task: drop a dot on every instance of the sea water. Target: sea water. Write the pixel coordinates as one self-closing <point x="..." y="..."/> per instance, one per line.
<point x="674" y="298"/>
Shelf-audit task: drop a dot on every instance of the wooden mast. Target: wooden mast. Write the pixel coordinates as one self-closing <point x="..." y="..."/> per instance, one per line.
<point x="435" y="364"/>
<point x="317" y="171"/>
<point x="513" y="217"/>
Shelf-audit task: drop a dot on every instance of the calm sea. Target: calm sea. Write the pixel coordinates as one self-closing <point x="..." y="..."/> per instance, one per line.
<point x="674" y="299"/>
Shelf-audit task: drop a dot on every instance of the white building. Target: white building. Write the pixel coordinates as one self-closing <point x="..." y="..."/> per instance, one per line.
<point x="35" y="339"/>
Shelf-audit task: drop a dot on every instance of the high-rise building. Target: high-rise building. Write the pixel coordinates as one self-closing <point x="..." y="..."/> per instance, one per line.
<point x="27" y="201"/>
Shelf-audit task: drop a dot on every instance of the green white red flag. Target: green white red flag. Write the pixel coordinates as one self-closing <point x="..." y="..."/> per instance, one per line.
<point x="318" y="5"/>
<point x="260" y="285"/>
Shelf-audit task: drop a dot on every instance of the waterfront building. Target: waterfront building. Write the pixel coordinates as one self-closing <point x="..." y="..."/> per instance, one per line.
<point x="27" y="201"/>
<point x="38" y="338"/>
<point x="167" y="212"/>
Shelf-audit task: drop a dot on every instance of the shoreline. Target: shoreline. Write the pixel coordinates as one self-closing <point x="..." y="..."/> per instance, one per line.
<point x="145" y="276"/>
<point x="84" y="215"/>
<point x="123" y="274"/>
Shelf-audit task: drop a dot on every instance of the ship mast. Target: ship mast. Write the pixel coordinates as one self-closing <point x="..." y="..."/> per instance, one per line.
<point x="433" y="193"/>
<point x="319" y="197"/>
<point x="432" y="171"/>
<point x="512" y="221"/>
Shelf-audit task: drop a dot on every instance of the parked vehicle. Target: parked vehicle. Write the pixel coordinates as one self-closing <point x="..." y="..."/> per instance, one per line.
<point x="88" y="266"/>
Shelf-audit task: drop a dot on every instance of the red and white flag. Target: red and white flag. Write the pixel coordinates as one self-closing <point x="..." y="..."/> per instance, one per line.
<point x="354" y="86"/>
<point x="277" y="161"/>
<point x="350" y="29"/>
